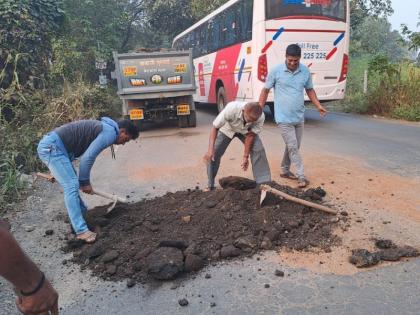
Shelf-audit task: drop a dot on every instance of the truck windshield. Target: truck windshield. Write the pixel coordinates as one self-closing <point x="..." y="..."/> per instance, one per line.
<point x="333" y="9"/>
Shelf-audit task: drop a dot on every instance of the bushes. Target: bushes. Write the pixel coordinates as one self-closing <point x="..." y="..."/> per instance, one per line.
<point x="393" y="88"/>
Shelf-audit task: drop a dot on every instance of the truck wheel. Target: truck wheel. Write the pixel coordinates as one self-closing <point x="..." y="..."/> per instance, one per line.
<point x="221" y="99"/>
<point x="139" y="124"/>
<point x="192" y="119"/>
<point x="183" y="121"/>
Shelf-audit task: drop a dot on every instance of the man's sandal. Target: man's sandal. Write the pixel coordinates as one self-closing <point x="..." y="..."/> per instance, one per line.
<point x="288" y="175"/>
<point x="302" y="183"/>
<point x="88" y="237"/>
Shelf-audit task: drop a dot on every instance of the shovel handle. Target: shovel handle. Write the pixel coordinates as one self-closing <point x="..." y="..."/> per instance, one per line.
<point x="109" y="196"/>
<point x="48" y="177"/>
<point x="298" y="200"/>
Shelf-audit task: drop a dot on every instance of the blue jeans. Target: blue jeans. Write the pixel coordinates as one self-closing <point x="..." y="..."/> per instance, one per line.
<point x="54" y="155"/>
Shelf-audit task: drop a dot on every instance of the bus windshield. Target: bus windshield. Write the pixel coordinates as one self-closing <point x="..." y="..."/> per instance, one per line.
<point x="333" y="9"/>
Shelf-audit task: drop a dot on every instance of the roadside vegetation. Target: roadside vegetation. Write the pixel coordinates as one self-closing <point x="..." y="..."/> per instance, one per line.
<point x="392" y="62"/>
<point x="48" y="75"/>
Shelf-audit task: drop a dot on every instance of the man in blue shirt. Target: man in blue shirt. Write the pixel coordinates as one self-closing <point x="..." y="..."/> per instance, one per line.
<point x="84" y="139"/>
<point x="289" y="80"/>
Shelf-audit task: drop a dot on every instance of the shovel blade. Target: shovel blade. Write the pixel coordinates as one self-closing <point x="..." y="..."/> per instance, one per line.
<point x="111" y="207"/>
<point x="262" y="196"/>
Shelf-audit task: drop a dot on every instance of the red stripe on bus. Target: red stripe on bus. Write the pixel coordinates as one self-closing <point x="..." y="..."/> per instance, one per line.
<point x="305" y="17"/>
<point x="266" y="47"/>
<point x="332" y="52"/>
<point x="304" y="31"/>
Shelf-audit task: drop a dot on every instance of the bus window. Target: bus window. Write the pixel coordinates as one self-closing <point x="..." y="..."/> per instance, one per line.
<point x="334" y="9"/>
<point x="244" y="20"/>
<point x="214" y="34"/>
<point x="203" y="40"/>
<point x="228" y="31"/>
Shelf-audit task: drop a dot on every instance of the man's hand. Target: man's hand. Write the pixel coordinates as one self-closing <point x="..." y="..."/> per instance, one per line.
<point x="322" y="110"/>
<point x="245" y="163"/>
<point x="87" y="189"/>
<point x="5" y="225"/>
<point x="45" y="301"/>
<point x="209" y="156"/>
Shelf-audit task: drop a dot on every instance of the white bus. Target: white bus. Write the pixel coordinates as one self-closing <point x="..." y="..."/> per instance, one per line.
<point x="235" y="46"/>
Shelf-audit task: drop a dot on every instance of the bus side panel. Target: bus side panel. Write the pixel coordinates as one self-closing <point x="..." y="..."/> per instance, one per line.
<point x="204" y="68"/>
<point x="243" y="73"/>
<point x="223" y="69"/>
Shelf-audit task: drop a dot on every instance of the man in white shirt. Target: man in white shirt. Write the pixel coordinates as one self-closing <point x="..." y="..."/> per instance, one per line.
<point x="245" y="121"/>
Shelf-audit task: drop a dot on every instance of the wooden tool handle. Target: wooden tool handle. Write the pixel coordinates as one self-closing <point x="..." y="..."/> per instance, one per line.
<point x="109" y="196"/>
<point x="298" y="200"/>
<point x="48" y="177"/>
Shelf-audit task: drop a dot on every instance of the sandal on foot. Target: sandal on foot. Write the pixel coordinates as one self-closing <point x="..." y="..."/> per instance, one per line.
<point x="302" y="183"/>
<point x="207" y="189"/>
<point x="288" y="175"/>
<point x="88" y="237"/>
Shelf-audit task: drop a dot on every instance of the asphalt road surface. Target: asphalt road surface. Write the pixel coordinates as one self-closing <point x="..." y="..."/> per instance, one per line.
<point x="369" y="167"/>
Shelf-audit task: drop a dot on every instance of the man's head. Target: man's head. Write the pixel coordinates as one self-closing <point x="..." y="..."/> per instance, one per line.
<point x="128" y="131"/>
<point x="252" y="111"/>
<point x="293" y="54"/>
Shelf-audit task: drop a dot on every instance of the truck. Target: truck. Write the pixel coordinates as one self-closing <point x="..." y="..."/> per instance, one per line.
<point x="156" y="86"/>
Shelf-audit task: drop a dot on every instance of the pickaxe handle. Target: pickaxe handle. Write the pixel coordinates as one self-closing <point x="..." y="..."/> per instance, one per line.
<point x="267" y="188"/>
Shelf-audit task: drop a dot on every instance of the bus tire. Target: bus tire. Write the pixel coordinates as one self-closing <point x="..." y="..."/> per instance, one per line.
<point x="221" y="99"/>
<point x="192" y="119"/>
<point x="183" y="121"/>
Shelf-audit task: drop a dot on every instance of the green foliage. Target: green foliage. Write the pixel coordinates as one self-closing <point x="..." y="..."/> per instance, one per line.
<point x="361" y="9"/>
<point x="26" y="29"/>
<point x="392" y="88"/>
<point x="374" y="36"/>
<point x="169" y="17"/>
<point x="201" y="8"/>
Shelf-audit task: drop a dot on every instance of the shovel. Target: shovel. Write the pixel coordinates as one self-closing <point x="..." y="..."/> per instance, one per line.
<point x="283" y="195"/>
<point x="112" y="197"/>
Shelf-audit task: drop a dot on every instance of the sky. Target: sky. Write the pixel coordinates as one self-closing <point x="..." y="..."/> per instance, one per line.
<point x="407" y="12"/>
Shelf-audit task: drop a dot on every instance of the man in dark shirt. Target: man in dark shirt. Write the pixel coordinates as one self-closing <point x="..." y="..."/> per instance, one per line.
<point x="84" y="139"/>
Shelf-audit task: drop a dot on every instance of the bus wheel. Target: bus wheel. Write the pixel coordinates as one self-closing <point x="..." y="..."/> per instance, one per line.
<point x="221" y="99"/>
<point x="192" y="119"/>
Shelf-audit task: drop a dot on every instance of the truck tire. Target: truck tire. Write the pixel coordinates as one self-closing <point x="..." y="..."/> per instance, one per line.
<point x="192" y="119"/>
<point x="139" y="124"/>
<point x="183" y="121"/>
<point x="221" y="99"/>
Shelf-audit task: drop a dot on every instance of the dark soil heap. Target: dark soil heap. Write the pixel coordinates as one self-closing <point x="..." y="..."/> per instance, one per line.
<point x="181" y="232"/>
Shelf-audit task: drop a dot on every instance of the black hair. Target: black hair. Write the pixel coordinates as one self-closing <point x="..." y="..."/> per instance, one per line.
<point x="293" y="50"/>
<point x="129" y="127"/>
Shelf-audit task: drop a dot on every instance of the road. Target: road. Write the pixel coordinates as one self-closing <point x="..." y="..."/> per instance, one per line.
<point x="369" y="167"/>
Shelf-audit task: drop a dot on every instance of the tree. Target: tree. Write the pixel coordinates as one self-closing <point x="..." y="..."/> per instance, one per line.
<point x="413" y="39"/>
<point x="374" y="36"/>
<point x="169" y="17"/>
<point x="361" y="9"/>
<point x="94" y="29"/>
<point x="201" y="8"/>
<point x="26" y="30"/>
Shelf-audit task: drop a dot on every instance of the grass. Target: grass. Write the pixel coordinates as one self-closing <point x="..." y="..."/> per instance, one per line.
<point x="393" y="89"/>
